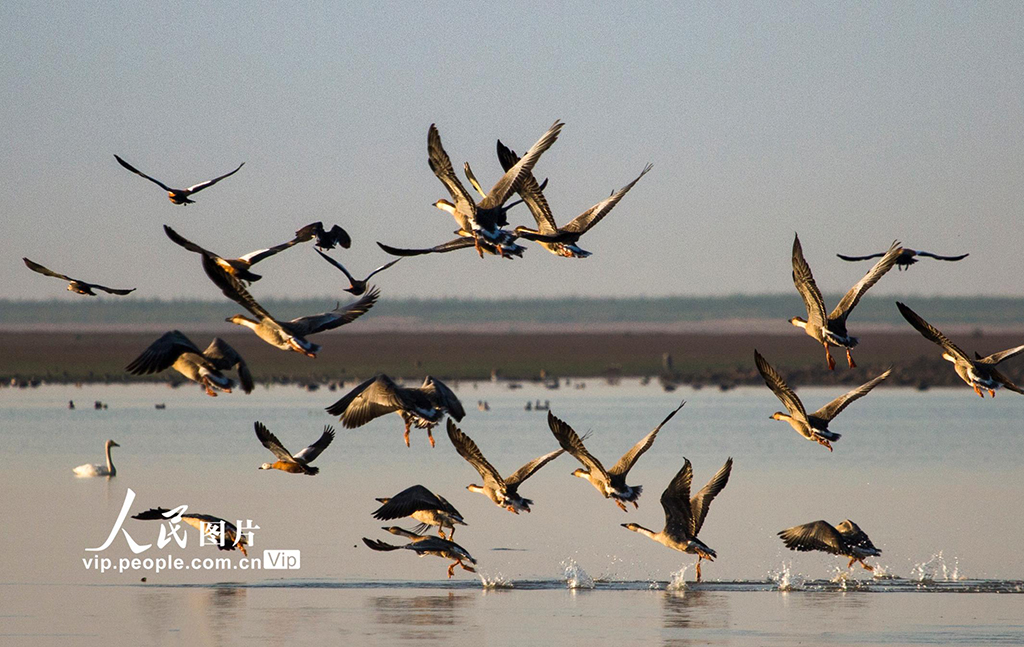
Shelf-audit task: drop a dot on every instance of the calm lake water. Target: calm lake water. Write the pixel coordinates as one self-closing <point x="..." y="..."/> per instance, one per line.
<point x="935" y="478"/>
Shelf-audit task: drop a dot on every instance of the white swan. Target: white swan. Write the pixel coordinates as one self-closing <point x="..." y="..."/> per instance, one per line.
<point x="99" y="470"/>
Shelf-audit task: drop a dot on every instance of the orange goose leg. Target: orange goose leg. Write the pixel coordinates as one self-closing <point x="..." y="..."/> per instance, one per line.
<point x="849" y="358"/>
<point x="699" y="559"/>
<point x="828" y="358"/>
<point x="978" y="391"/>
<point x="407" y="435"/>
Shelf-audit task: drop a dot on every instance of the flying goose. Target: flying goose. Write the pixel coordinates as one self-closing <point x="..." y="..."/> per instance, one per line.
<point x="685" y="516"/>
<point x="98" y="470"/>
<point x="239" y="267"/>
<point x="286" y="462"/>
<point x="906" y="257"/>
<point x="504" y="492"/>
<point x="328" y="238"/>
<point x="175" y="350"/>
<point x="979" y="373"/>
<point x="427" y="545"/>
<point x="356" y="287"/>
<point x="286" y="335"/>
<point x="423" y="406"/>
<point x="484" y="220"/>
<point x="74" y="285"/>
<point x="812" y="426"/>
<point x="558" y="240"/>
<point x="177" y="196"/>
<point x="846" y="539"/>
<point x="422" y="505"/>
<point x="505" y="249"/>
<point x="610" y="483"/>
<point x="204" y="523"/>
<point x="832" y="329"/>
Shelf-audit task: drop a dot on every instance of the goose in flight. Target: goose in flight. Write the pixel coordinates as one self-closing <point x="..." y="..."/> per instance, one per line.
<point x="427" y="545"/>
<point x="503" y="492"/>
<point x="906" y="258"/>
<point x="175" y="350"/>
<point x="286" y="462"/>
<point x="506" y="249"/>
<point x="240" y="267"/>
<point x="831" y="329"/>
<point x="98" y="470"/>
<point x="422" y="505"/>
<point x="356" y="287"/>
<point x="812" y="426"/>
<point x="483" y="221"/>
<point x="286" y="335"/>
<point x="558" y="240"/>
<point x="327" y="238"/>
<point x="979" y="373"/>
<point x="846" y="539"/>
<point x="178" y="196"/>
<point x="685" y="516"/>
<point x="203" y="523"/>
<point x="423" y="406"/>
<point x="610" y="483"/>
<point x="74" y="285"/>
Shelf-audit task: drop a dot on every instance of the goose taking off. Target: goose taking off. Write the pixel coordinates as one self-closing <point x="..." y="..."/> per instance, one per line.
<point x="422" y="505"/>
<point x="239" y="267"/>
<point x="427" y="545"/>
<point x="906" y="257"/>
<point x="483" y="221"/>
<point x="286" y="462"/>
<point x="98" y="470"/>
<point x="75" y="285"/>
<point x="178" y="196"/>
<point x="685" y="516"/>
<point x="286" y="335"/>
<point x="356" y="287"/>
<point x="175" y="350"/>
<point x="979" y="373"/>
<point x="230" y="540"/>
<point x="423" y="406"/>
<point x="610" y="483"/>
<point x="812" y="426"/>
<point x="832" y="329"/>
<point x="846" y="539"/>
<point x="558" y="240"/>
<point x="504" y="492"/>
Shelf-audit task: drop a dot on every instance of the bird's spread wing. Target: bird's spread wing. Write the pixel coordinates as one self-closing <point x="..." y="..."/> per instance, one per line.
<point x="338" y="265"/>
<point x="817" y="535"/>
<point x="832" y="409"/>
<point x="233" y="288"/>
<point x="162" y="354"/>
<point x="338" y="317"/>
<point x="36" y="267"/>
<point x="629" y="458"/>
<point x="261" y="254"/>
<point x="943" y="258"/>
<point x="442" y="167"/>
<point x="141" y="174"/>
<point x="443" y="397"/>
<point x="676" y="502"/>
<point x="570" y="442"/>
<point x="121" y="291"/>
<point x="805" y="285"/>
<point x="860" y="258"/>
<point x="526" y="471"/>
<point x="500" y="192"/>
<point x="186" y="243"/>
<point x="995" y="358"/>
<point x="373" y="398"/>
<point x="854" y="536"/>
<point x="583" y="222"/>
<point x="779" y="387"/>
<point x="468" y="450"/>
<point x="195" y="188"/>
<point x="309" y="454"/>
<point x="271" y="442"/>
<point x="224" y="357"/>
<point x="380" y="545"/>
<point x="410" y="500"/>
<point x="848" y="302"/>
<point x="529" y="191"/>
<point x="450" y="246"/>
<point x="382" y="268"/>
<point x="701" y="503"/>
<point x="931" y="333"/>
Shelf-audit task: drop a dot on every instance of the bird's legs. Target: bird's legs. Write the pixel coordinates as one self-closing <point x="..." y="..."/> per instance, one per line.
<point x="636" y="506"/>
<point x="407" y="434"/>
<point x="991" y="392"/>
<point x="699" y="560"/>
<point x="828" y="358"/>
<point x="512" y="509"/>
<point x="822" y="441"/>
<point x="620" y="504"/>
<point x="978" y="391"/>
<point x="451" y="569"/>
<point x="466" y="568"/>
<point x="440" y="531"/>
<point x="209" y="390"/>
<point x="430" y="436"/>
<point x="849" y="358"/>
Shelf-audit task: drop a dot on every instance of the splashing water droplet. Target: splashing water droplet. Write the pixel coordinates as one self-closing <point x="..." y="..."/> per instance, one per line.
<point x="786" y="579"/>
<point x="497" y="581"/>
<point x="575" y="576"/>
<point x="678" y="581"/>
<point x="936" y="570"/>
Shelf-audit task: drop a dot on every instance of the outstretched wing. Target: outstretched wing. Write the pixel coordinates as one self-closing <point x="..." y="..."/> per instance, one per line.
<point x="450" y="246"/>
<point x="261" y="254"/>
<point x="848" y="302"/>
<point x="340" y="266"/>
<point x="196" y="188"/>
<point x="500" y="192"/>
<point x="636" y="451"/>
<point x="141" y="174"/>
<point x="36" y="267"/>
<point x="529" y="191"/>
<point x="676" y="502"/>
<point x="832" y="409"/>
<point x="121" y="291"/>
<point x="943" y="258"/>
<point x="271" y="442"/>
<point x="468" y="450"/>
<point x="186" y="243"/>
<point x="701" y="503"/>
<point x="442" y="167"/>
<point x="805" y="285"/>
<point x="779" y="387"/>
<point x="860" y="258"/>
<point x="382" y="268"/>
<point x="224" y="357"/>
<point x="309" y="454"/>
<point x="411" y="499"/>
<point x="995" y="358"/>
<point x="583" y="222"/>
<point x="570" y="442"/>
<point x="817" y="535"/>
<point x="379" y="545"/>
<point x="932" y="333"/>
<point x="232" y="287"/>
<point x="443" y="397"/>
<point x="373" y="398"/>
<point x="162" y="353"/>
<point x="338" y="317"/>
<point x="526" y="471"/>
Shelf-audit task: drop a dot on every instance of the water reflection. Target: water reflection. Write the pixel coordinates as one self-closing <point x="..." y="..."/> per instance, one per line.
<point x="426" y="617"/>
<point x="683" y="612"/>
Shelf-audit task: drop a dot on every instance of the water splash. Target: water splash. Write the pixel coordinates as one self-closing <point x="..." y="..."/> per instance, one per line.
<point x="786" y="579"/>
<point x="840" y="576"/>
<point x="936" y="570"/>
<point x="495" y="582"/>
<point x="678" y="581"/>
<point x="575" y="576"/>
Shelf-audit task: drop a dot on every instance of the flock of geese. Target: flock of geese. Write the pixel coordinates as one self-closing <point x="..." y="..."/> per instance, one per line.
<point x="483" y="225"/>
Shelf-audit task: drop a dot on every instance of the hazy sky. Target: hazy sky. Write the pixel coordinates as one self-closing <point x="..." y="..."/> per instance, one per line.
<point x="851" y="124"/>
